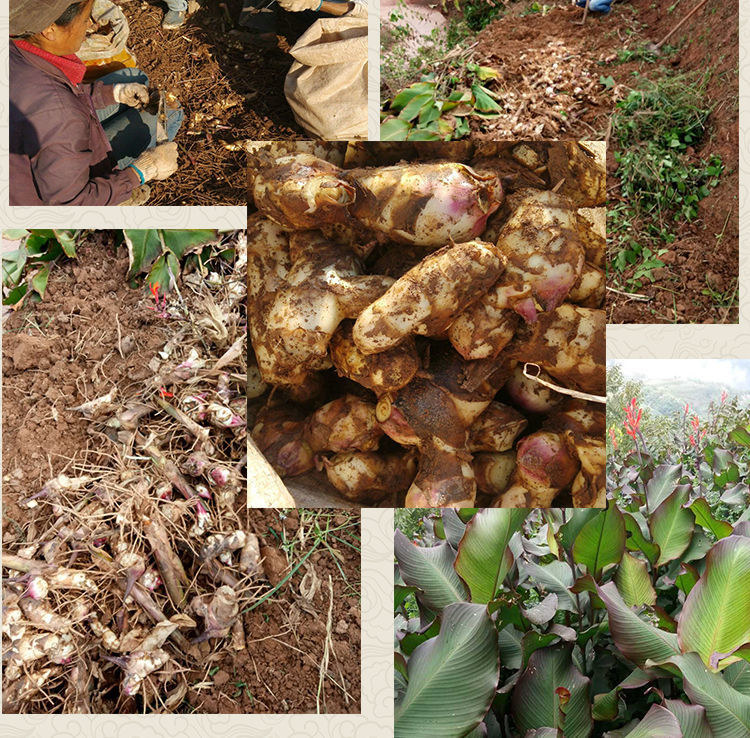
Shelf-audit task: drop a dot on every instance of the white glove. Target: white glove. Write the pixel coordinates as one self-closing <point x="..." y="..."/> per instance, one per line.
<point x="297" y="6"/>
<point x="133" y="94"/>
<point x="159" y="162"/>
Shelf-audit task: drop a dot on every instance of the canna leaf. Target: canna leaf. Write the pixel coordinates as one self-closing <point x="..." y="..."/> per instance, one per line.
<point x="634" y="583"/>
<point x="692" y="719"/>
<point x="535" y="703"/>
<point x="672" y="525"/>
<point x="452" y="678"/>
<point x="658" y="723"/>
<point x="709" y="624"/>
<point x="705" y="518"/>
<point x="636" y="540"/>
<point x="662" y="483"/>
<point x="601" y="541"/>
<point x="39" y="281"/>
<point x="431" y="571"/>
<point x="453" y="526"/>
<point x="482" y="560"/>
<point x="394" y="129"/>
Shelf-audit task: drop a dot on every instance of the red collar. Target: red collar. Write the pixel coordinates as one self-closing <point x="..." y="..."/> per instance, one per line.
<point x="70" y="65"/>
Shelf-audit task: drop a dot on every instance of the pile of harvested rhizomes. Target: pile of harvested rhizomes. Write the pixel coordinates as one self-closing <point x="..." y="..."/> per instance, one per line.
<point x="137" y="546"/>
<point x="230" y="86"/>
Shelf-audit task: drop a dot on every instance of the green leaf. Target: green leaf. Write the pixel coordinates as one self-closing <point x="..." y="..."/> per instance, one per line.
<point x="637" y="541"/>
<point x="144" y="247"/>
<point x="737" y="676"/>
<point x="741" y="435"/>
<point x="553" y="577"/>
<point x="577" y="518"/>
<point x="67" y="241"/>
<point x="15" y="235"/>
<point x="687" y="578"/>
<point x="601" y="541"/>
<point x="452" y="677"/>
<point x="704" y="517"/>
<point x="16" y="295"/>
<point x="605" y="705"/>
<point x="483" y="100"/>
<point x="663" y="482"/>
<point x="394" y="129"/>
<point x="430" y="570"/>
<point x="453" y="525"/>
<point x="672" y="526"/>
<point x="636" y="639"/>
<point x="692" y="719"/>
<point x="532" y="642"/>
<point x="482" y="561"/>
<point x="400" y="593"/>
<point x="709" y="623"/>
<point x="411" y="640"/>
<point x="412" y="108"/>
<point x="634" y="583"/>
<point x="39" y="281"/>
<point x="182" y="242"/>
<point x="429" y="113"/>
<point x="422" y="135"/>
<point x="727" y="710"/>
<point x="536" y="701"/>
<point x="407" y="95"/>
<point x="658" y="723"/>
<point x="509" y="643"/>
<point x="164" y="272"/>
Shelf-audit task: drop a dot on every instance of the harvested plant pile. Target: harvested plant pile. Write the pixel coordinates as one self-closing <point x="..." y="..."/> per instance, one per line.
<point x="438" y="301"/>
<point x="116" y="557"/>
<point x="230" y="85"/>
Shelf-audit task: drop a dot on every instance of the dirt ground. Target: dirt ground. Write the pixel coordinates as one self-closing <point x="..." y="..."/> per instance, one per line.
<point x="231" y="88"/>
<point x="521" y="47"/>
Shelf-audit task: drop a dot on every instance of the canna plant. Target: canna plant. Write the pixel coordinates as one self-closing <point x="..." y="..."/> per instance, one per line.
<point x="575" y="623"/>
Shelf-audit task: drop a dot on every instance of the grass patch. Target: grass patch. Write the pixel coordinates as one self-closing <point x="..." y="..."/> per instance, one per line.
<point x="656" y="130"/>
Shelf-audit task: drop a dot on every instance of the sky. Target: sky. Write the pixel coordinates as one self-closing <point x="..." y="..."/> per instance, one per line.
<point x="734" y="373"/>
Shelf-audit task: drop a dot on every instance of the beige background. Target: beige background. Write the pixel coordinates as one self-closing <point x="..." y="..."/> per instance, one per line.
<point x="377" y="571"/>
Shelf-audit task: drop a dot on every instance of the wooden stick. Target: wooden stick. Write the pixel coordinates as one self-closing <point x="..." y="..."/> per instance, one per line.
<point x="682" y="22"/>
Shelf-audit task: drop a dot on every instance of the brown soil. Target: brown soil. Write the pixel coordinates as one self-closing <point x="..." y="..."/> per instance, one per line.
<point x="521" y="48"/>
<point x="231" y="88"/>
<point x="62" y="352"/>
<point x="286" y="635"/>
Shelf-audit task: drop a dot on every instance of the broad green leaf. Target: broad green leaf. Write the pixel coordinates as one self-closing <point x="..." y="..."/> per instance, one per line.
<point x="672" y="526"/>
<point x="485" y="73"/>
<point x="741" y="435"/>
<point x="658" y="723"/>
<point x="394" y="129"/>
<point x="39" y="281"/>
<point x="399" y="676"/>
<point x="483" y="101"/>
<point x="467" y="513"/>
<point x="737" y="675"/>
<point x="412" y="108"/>
<point x="710" y="623"/>
<point x="164" y="272"/>
<point x="687" y="578"/>
<point x="67" y="240"/>
<point x="634" y="583"/>
<point x="601" y="541"/>
<point x="429" y="113"/>
<point x="532" y="642"/>
<point x="482" y="561"/>
<point x="535" y="702"/>
<point x="662" y="483"/>
<point x="543" y="612"/>
<point x="182" y="242"/>
<point x="509" y="643"/>
<point x="430" y="570"/>
<point x="422" y="135"/>
<point x="699" y="546"/>
<point x="16" y="295"/>
<point x="705" y="518"/>
<point x="411" y="640"/>
<point x="15" y="235"/>
<point x="605" y="705"/>
<point x="736" y="495"/>
<point x="576" y="519"/>
<point x="405" y="96"/>
<point x="636" y="639"/>
<point x="727" y="710"/>
<point x="400" y="593"/>
<point x="453" y="526"/>
<point x="692" y="719"/>
<point x="452" y="677"/>
<point x="553" y="577"/>
<point x="144" y="247"/>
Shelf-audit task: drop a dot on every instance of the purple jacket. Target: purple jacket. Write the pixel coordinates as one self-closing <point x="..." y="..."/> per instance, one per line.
<point x="58" y="148"/>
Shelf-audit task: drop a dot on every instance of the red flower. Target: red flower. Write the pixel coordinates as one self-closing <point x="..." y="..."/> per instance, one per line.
<point x="613" y="437"/>
<point x="632" y="419"/>
<point x="723" y="396"/>
<point x="692" y="440"/>
<point x="695" y="422"/>
<point x="687" y="409"/>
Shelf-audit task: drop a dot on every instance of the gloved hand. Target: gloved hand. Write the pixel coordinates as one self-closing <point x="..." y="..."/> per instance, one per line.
<point x="597" y="6"/>
<point x="297" y="6"/>
<point x="133" y="94"/>
<point x="157" y="163"/>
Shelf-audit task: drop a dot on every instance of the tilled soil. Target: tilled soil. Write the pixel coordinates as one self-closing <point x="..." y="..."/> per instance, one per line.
<point x="230" y="85"/>
<point x="540" y="55"/>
